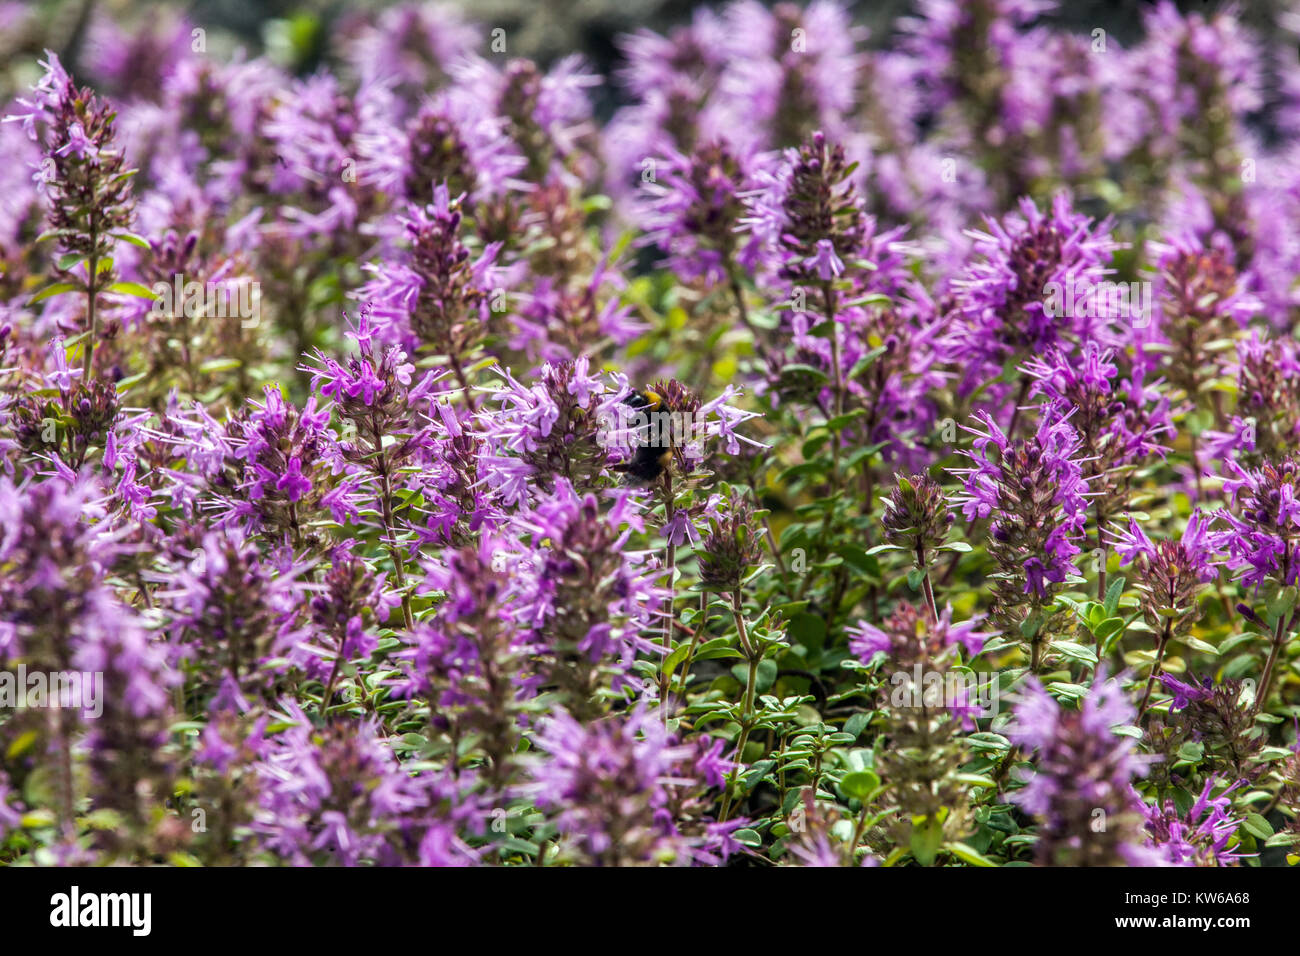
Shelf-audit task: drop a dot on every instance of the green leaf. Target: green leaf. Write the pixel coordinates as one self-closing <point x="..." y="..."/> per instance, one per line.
<point x="38" y="819"/>
<point x="1111" y="634"/>
<point x="808" y="630"/>
<point x="125" y="384"/>
<point x="212" y="366"/>
<point x="57" y="288"/>
<point x="1112" y="596"/>
<point x="856" y="724"/>
<point x="103" y="819"/>
<point x="989" y="742"/>
<point x="718" y="653"/>
<point x="132" y="238"/>
<point x="1203" y="647"/>
<point x="864" y="363"/>
<point x="1108" y="628"/>
<point x="840" y="422"/>
<point x="967" y="854"/>
<point x="21" y="744"/>
<point x="518" y="845"/>
<point x="133" y="289"/>
<point x="1257" y="826"/>
<point x="1192" y="751"/>
<point x="1062" y="689"/>
<point x="1075" y="652"/>
<point x="676" y="657"/>
<point x="861" y="562"/>
<point x="859" y="785"/>
<point x="927" y="837"/>
<point x="796" y="371"/>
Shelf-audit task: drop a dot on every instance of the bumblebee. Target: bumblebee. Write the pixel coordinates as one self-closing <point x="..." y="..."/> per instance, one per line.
<point x="654" y="455"/>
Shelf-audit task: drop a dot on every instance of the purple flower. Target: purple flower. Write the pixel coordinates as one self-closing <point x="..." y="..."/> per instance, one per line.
<point x="292" y="482"/>
<point x="85" y="180"/>
<point x="1266" y="420"/>
<point x="437" y="293"/>
<point x="78" y="144"/>
<point x="556" y="427"/>
<point x="824" y="262"/>
<point x="1185" y="694"/>
<point x="906" y="638"/>
<point x="1199" y="837"/>
<point x="1007" y="300"/>
<point x="866" y="641"/>
<point x="451" y="140"/>
<point x="1032" y="492"/>
<point x="1263" y="526"/>
<point x="1200" y="296"/>
<point x="545" y="115"/>
<point x="411" y="45"/>
<point x="586" y="615"/>
<point x="807" y="215"/>
<point x="231" y="610"/>
<point x="338" y="796"/>
<point x="276" y="466"/>
<point x="776" y="90"/>
<point x="693" y="210"/>
<point x="1169" y="574"/>
<point x="1120" y="419"/>
<point x="610" y="783"/>
<point x="1081" y="767"/>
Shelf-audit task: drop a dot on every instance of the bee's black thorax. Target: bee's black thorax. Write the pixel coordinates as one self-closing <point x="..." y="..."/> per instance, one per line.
<point x="653" y="452"/>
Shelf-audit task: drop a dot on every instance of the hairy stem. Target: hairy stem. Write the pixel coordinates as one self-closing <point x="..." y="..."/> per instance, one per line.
<point x="747" y="714"/>
<point x="92" y="315"/>
<point x="670" y="561"/>
<point x="925" y="584"/>
<point x="1266" y="681"/>
<point x="1155" y="668"/>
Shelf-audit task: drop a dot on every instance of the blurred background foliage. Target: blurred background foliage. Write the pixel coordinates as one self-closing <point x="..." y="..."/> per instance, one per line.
<point x="297" y="33"/>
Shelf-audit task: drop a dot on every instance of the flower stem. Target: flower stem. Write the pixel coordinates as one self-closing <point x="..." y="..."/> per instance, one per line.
<point x="857" y="833"/>
<point x="1155" y="668"/>
<point x="747" y="713"/>
<point x="386" y="504"/>
<point x="670" y="561"/>
<point x="828" y="304"/>
<point x="1015" y="409"/>
<point x="67" y="799"/>
<point x="1101" y="546"/>
<point x="1280" y="633"/>
<point x="926" y="586"/>
<point x="828" y="300"/>
<point x="93" y="332"/>
<point x="463" y="382"/>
